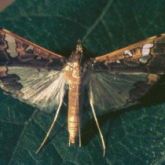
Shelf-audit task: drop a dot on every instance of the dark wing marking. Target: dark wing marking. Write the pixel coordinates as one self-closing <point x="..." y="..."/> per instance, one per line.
<point x="40" y="88"/>
<point x="17" y="50"/>
<point x="121" y="78"/>
<point x="146" y="56"/>
<point x="112" y="91"/>
<point x="29" y="72"/>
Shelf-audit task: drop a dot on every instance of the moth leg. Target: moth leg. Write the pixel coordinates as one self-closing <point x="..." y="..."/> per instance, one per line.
<point x="50" y="128"/>
<point x="79" y="136"/>
<point x="69" y="142"/>
<point x="97" y="124"/>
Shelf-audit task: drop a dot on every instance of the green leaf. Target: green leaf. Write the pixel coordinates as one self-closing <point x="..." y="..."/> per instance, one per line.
<point x="133" y="136"/>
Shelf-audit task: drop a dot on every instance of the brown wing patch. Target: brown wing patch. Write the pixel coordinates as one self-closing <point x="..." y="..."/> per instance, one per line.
<point x="137" y="52"/>
<point x="13" y="46"/>
<point x="145" y="56"/>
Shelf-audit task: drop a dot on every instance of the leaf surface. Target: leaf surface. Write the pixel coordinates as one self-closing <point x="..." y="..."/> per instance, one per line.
<point x="133" y="136"/>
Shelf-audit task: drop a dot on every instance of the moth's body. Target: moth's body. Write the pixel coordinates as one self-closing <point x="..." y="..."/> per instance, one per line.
<point x="118" y="79"/>
<point x="72" y="74"/>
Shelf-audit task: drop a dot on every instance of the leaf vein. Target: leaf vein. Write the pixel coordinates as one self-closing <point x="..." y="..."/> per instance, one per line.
<point x="97" y="21"/>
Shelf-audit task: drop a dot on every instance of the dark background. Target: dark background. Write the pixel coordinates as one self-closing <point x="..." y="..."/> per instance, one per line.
<point x="133" y="136"/>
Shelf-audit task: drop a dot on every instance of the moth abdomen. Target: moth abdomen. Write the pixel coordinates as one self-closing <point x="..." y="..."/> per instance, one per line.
<point x="73" y="112"/>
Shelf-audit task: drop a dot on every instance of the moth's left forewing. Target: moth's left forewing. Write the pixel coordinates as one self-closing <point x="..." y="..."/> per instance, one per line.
<point x="18" y="50"/>
<point x="121" y="78"/>
<point x="30" y="72"/>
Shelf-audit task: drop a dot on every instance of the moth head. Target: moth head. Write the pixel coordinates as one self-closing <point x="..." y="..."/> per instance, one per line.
<point x="79" y="48"/>
<point x="77" y="54"/>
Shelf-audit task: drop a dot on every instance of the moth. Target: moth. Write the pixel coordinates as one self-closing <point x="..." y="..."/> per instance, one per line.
<point x="118" y="79"/>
